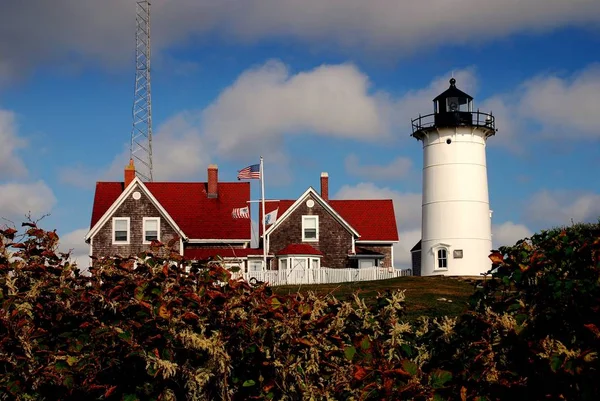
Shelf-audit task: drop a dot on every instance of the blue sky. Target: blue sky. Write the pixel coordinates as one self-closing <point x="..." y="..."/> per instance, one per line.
<point x="327" y="85"/>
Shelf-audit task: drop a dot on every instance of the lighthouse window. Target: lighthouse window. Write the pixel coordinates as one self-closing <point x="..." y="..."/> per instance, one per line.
<point x="442" y="259"/>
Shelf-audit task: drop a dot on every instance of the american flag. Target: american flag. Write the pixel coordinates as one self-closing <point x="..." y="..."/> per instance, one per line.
<point x="240" y="213"/>
<point x="249" y="173"/>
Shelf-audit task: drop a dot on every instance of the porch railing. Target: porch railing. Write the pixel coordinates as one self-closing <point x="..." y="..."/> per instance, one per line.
<point x="321" y="275"/>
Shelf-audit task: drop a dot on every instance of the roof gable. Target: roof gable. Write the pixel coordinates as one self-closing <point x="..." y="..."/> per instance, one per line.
<point x="187" y="204"/>
<point x="309" y="192"/>
<point x="373" y="219"/>
<point x="103" y="201"/>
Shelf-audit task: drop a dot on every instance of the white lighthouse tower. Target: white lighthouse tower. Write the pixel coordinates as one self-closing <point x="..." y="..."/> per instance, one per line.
<point x="456" y="236"/>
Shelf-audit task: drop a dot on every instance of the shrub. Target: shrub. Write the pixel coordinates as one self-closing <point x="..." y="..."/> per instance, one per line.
<point x="147" y="328"/>
<point x="532" y="332"/>
<point x="152" y="327"/>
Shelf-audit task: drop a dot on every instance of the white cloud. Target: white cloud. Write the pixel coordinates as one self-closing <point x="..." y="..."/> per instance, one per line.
<point x="73" y="242"/>
<point x="407" y="207"/>
<point x="564" y="106"/>
<point x="402" y="255"/>
<point x="508" y="233"/>
<point x="562" y="207"/>
<point x="179" y="152"/>
<point x="398" y="168"/>
<point x="18" y="200"/>
<point x="11" y="165"/>
<point x="99" y="30"/>
<point x="266" y="102"/>
<point x="251" y="117"/>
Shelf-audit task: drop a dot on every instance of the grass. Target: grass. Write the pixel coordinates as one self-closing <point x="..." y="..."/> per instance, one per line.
<point x="423" y="294"/>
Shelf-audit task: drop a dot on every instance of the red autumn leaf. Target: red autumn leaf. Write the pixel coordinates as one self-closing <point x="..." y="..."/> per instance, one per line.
<point x="400" y="372"/>
<point x="592" y="327"/>
<point x="190" y="316"/>
<point x="215" y="294"/>
<point x="146" y="305"/>
<point x="9" y="232"/>
<point x="110" y="391"/>
<point x="359" y="373"/>
<point x="496" y="257"/>
<point x="165" y="269"/>
<point x="388" y="383"/>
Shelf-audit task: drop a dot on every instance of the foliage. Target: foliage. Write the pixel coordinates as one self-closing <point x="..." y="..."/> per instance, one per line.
<point x="532" y="332"/>
<point x="151" y="327"/>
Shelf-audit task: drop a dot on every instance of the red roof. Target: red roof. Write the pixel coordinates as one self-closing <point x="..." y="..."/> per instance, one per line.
<point x="374" y="219"/>
<point x="299" y="249"/>
<point x="206" y="253"/>
<point x="198" y="216"/>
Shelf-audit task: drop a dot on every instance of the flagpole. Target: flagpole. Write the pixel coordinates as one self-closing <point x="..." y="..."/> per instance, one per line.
<point x="262" y="184"/>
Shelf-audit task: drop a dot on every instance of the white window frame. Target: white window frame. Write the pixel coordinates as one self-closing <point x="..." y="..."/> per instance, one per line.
<point x="283" y="263"/>
<point x="438" y="258"/>
<point x="253" y="264"/>
<point x="304" y="218"/>
<point x="145" y="219"/>
<point x="128" y="220"/>
<point x="372" y="260"/>
<point x="315" y="263"/>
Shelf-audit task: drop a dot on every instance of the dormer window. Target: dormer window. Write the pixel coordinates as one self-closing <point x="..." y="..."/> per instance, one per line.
<point x="120" y="230"/>
<point x="151" y="229"/>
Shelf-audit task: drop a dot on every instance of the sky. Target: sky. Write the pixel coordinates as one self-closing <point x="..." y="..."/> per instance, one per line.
<point x="311" y="85"/>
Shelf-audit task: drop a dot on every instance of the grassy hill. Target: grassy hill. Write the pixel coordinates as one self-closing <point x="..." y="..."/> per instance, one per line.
<point x="425" y="296"/>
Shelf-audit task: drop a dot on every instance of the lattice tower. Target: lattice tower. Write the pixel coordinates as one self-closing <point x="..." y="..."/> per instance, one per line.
<point x="140" y="149"/>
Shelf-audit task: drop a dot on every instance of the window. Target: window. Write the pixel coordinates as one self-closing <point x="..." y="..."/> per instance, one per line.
<point x="120" y="230"/>
<point x="255" y="265"/>
<point x="315" y="263"/>
<point x="310" y="228"/>
<point x="442" y="259"/>
<point x="282" y="264"/>
<point x="151" y="229"/>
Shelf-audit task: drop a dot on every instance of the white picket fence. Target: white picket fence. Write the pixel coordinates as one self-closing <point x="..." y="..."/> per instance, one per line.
<point x="321" y="275"/>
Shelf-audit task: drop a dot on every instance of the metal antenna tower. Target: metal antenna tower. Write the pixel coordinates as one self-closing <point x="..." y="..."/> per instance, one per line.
<point x="140" y="149"/>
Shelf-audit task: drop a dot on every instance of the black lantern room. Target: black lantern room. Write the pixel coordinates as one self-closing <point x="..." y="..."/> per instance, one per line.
<point x="452" y="108"/>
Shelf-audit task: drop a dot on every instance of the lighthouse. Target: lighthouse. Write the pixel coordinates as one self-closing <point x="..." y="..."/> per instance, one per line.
<point x="456" y="229"/>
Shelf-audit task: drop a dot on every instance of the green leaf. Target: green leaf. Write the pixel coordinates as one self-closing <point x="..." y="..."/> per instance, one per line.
<point x="365" y="343"/>
<point x="410" y="367"/>
<point x="130" y="397"/>
<point x="68" y="381"/>
<point x="555" y="363"/>
<point x="275" y="303"/>
<point x="249" y="383"/>
<point x="437" y="397"/>
<point x="439" y="378"/>
<point x="61" y="366"/>
<point x="349" y="352"/>
<point x="125" y="335"/>
<point x="407" y="349"/>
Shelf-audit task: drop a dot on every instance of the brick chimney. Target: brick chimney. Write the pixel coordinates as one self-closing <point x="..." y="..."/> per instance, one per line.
<point x="213" y="181"/>
<point x="129" y="173"/>
<point x="325" y="186"/>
